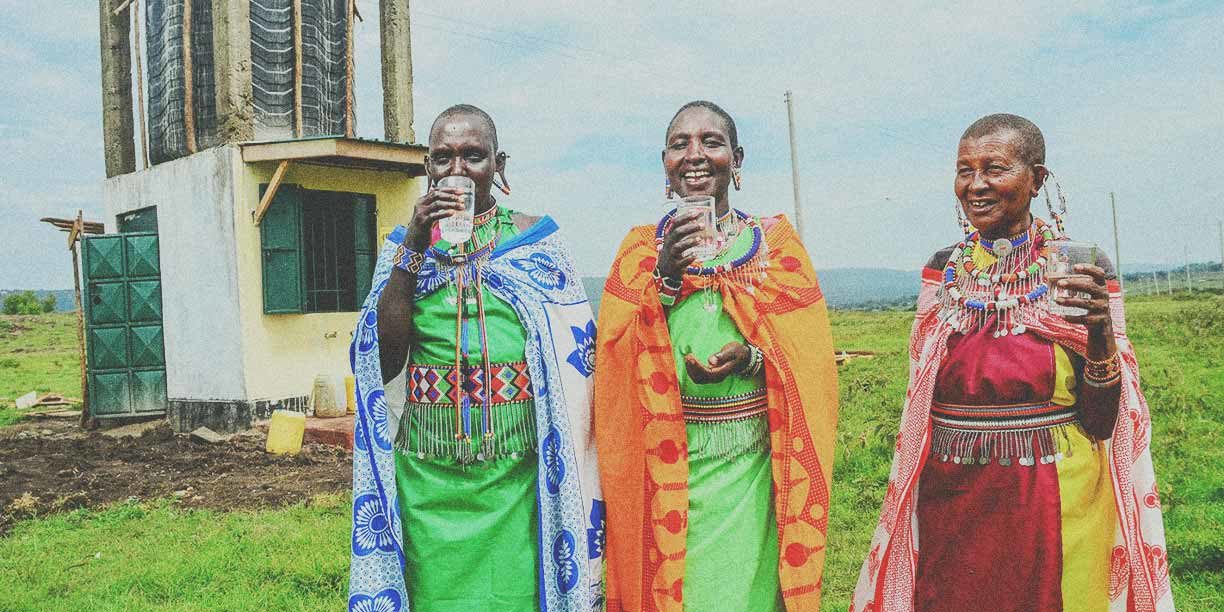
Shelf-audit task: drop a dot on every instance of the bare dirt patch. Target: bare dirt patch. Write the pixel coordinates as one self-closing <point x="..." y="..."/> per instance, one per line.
<point x="50" y="465"/>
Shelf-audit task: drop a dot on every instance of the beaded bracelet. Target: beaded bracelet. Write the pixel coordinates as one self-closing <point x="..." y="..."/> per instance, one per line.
<point x="756" y="359"/>
<point x="1104" y="370"/>
<point x="1103" y="384"/>
<point x="407" y="259"/>
<point x="668" y="293"/>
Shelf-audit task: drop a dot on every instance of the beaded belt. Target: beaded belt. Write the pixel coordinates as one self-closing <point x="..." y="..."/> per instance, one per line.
<point x="1013" y="417"/>
<point x="1023" y="432"/>
<point x="433" y="384"/>
<point x="717" y="409"/>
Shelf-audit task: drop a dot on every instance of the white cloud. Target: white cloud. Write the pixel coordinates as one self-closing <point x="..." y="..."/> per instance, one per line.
<point x="1128" y="96"/>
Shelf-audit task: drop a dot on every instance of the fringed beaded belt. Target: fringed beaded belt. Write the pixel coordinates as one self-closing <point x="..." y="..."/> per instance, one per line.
<point x="430" y="384"/>
<point x="428" y="427"/>
<point x="1026" y="433"/>
<point x="717" y="409"/>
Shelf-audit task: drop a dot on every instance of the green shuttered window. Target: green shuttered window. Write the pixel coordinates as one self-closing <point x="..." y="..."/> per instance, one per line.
<point x="319" y="249"/>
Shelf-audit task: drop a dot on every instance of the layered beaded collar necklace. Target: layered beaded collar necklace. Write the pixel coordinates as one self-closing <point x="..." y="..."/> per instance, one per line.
<point x="743" y="219"/>
<point x="1008" y="286"/>
<point x="745" y="272"/>
<point x="459" y="254"/>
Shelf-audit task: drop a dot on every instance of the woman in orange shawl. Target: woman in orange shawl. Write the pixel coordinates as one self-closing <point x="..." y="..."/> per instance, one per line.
<point x="715" y="400"/>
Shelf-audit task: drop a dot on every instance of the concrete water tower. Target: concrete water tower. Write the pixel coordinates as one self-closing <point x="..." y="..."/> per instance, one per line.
<point x="245" y="215"/>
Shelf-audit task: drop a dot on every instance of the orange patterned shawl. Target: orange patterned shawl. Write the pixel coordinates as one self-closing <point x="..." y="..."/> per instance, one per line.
<point x="639" y="427"/>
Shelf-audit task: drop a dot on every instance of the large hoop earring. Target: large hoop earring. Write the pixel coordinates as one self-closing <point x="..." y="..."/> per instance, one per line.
<point x="504" y="185"/>
<point x="736" y="179"/>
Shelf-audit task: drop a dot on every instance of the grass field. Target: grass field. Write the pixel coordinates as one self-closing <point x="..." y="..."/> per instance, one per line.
<point x="37" y="353"/>
<point x="155" y="556"/>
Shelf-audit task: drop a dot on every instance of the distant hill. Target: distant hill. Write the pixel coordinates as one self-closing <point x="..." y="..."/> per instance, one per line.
<point x="847" y="288"/>
<point x="64" y="301"/>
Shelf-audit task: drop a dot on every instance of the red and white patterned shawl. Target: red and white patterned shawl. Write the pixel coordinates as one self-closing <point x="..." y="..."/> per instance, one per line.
<point x="1139" y="572"/>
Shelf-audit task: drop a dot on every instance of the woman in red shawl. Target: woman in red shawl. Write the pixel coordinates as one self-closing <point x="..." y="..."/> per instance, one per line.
<point x="1022" y="478"/>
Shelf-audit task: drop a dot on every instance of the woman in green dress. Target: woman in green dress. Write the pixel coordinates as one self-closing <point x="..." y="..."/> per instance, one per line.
<point x="494" y="493"/>
<point x="715" y="399"/>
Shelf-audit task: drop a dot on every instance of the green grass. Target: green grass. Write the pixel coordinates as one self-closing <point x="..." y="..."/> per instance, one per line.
<point x="155" y="556"/>
<point x="160" y="557"/>
<point x="37" y="353"/>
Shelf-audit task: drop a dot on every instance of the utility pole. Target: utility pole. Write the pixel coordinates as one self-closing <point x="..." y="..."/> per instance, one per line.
<point x="1220" y="222"/>
<point x="1169" y="280"/>
<point x="1186" y="252"/>
<point x="1156" y="282"/>
<point x="794" y="147"/>
<point x="1117" y="254"/>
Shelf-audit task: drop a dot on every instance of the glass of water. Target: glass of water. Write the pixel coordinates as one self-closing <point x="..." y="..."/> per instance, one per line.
<point x="457" y="228"/>
<point x="1060" y="264"/>
<point x="708" y="246"/>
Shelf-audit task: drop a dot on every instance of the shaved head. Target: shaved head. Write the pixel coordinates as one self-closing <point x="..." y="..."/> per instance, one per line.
<point x="1031" y="144"/>
<point x="467" y="111"/>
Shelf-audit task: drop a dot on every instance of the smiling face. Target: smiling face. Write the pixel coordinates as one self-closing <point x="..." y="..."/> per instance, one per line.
<point x="994" y="184"/>
<point x="699" y="155"/>
<point x="462" y="145"/>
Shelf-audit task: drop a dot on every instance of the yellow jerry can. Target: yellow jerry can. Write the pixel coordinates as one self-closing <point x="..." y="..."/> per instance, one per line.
<point x="285" y="432"/>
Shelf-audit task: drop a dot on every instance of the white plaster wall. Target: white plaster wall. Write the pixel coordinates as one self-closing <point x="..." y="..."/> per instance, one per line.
<point x="194" y="196"/>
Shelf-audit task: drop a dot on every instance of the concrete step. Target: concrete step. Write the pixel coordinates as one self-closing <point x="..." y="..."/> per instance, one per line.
<point x="337" y="431"/>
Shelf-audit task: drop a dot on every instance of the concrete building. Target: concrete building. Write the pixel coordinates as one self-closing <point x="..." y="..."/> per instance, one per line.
<point x="231" y="273"/>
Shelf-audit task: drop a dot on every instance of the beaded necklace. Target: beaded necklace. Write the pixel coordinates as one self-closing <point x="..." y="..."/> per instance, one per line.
<point x="746" y="271"/>
<point x="1009" y="287"/>
<point x="468" y="278"/>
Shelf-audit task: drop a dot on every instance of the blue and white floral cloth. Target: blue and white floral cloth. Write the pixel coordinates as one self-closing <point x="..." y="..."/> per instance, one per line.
<point x="533" y="272"/>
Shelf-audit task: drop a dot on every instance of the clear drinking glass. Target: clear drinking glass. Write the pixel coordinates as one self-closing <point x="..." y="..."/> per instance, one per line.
<point x="1060" y="263"/>
<point x="708" y="247"/>
<point x="457" y="228"/>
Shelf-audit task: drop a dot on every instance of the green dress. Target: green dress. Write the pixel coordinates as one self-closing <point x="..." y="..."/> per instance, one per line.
<point x="469" y="508"/>
<point x="732" y="558"/>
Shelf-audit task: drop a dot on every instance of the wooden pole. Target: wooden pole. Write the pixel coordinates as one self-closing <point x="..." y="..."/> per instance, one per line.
<point x="794" y="148"/>
<point x="270" y="192"/>
<point x="140" y="107"/>
<point x="188" y="98"/>
<point x="1113" y="205"/>
<point x="297" y="68"/>
<point x="78" y="228"/>
<point x="350" y="129"/>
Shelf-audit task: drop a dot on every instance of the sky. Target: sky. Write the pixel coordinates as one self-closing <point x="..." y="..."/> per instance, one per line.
<point x="1129" y="96"/>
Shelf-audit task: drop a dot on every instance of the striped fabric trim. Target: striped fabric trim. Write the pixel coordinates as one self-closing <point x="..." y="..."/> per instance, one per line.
<point x="1008" y="417"/>
<point x="718" y="409"/>
<point x="430" y="384"/>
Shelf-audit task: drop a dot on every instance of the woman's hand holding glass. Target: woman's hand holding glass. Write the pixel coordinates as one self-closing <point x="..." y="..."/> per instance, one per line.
<point x="435" y="205"/>
<point x="1086" y="289"/>
<point x="677" y="254"/>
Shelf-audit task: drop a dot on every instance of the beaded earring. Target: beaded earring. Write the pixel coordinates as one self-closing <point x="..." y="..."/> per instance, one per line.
<point x="667" y="190"/>
<point x="964" y="223"/>
<point x="735" y="177"/>
<point x="1056" y="214"/>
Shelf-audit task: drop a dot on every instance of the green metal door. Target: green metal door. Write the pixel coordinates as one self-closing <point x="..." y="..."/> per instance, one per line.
<point x="123" y="325"/>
